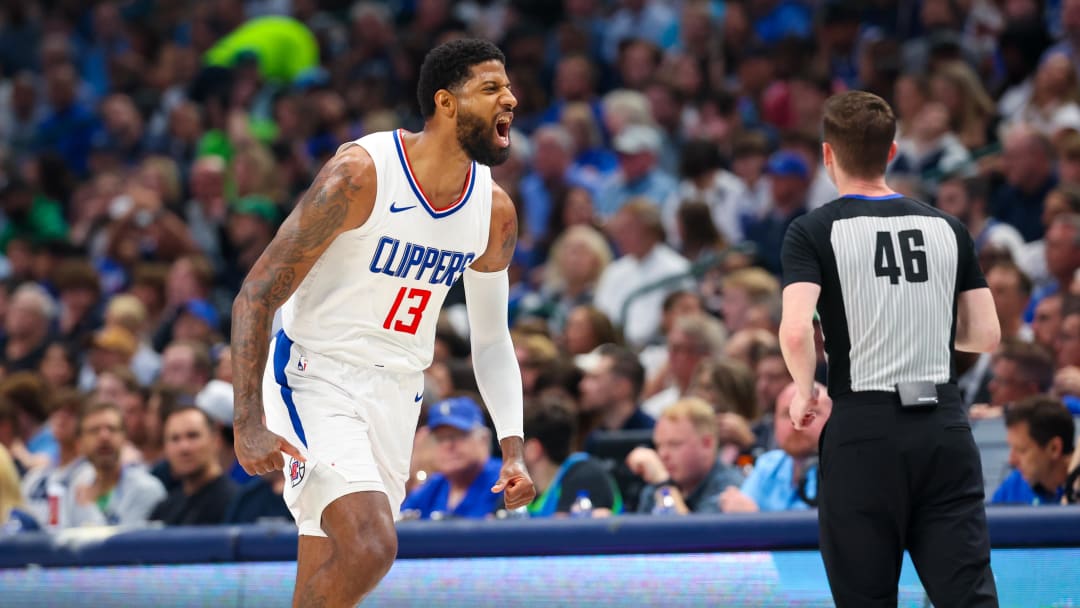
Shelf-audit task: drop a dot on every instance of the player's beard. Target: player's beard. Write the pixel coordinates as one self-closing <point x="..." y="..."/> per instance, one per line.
<point x="477" y="138"/>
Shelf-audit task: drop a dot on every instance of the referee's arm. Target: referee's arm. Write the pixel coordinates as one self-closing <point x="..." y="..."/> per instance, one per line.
<point x="977" y="326"/>
<point x="802" y="286"/>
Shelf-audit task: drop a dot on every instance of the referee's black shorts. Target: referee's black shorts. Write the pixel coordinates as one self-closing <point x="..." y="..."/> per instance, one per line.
<point x="896" y="478"/>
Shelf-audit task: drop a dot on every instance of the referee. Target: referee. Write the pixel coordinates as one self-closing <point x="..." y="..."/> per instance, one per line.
<point x="898" y="288"/>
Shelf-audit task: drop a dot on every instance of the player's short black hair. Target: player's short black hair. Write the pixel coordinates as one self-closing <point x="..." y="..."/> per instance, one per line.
<point x="449" y="65"/>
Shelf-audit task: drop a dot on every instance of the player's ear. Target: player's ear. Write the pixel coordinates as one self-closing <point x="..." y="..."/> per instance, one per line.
<point x="892" y="151"/>
<point x="445" y="103"/>
<point x="826" y="153"/>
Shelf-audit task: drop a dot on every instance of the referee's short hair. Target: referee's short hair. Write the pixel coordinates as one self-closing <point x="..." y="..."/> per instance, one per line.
<point x="860" y="128"/>
<point x="1046" y="418"/>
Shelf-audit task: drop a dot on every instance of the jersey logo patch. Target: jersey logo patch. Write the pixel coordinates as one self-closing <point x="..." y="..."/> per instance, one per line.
<point x="296" y="471"/>
<point x="417" y="398"/>
<point x="395" y="209"/>
<point x="301" y="364"/>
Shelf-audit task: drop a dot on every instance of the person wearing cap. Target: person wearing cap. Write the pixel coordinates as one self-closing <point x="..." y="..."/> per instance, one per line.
<point x="638" y="147"/>
<point x="789" y="184"/>
<point x="467" y="472"/>
<point x="198" y="322"/>
<point x="111" y="346"/>
<point x="249" y="228"/>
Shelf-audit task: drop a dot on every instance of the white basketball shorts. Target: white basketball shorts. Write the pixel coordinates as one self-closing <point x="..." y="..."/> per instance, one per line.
<point x="354" y="425"/>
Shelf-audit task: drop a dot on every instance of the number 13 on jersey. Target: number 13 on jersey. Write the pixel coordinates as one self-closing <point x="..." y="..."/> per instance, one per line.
<point x="416" y="299"/>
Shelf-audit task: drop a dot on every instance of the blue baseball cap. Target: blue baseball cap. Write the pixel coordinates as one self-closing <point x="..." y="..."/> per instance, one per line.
<point x="204" y="311"/>
<point x="787" y="164"/>
<point x="461" y="413"/>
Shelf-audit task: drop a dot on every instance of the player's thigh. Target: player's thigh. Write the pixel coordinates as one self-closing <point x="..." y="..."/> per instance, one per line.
<point x="387" y="402"/>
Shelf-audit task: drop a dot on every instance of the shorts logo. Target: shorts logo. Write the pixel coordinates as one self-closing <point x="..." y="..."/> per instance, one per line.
<point x="296" y="471"/>
<point x="301" y="364"/>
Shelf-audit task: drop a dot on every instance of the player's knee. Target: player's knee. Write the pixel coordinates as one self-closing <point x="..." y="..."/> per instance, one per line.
<point x="373" y="550"/>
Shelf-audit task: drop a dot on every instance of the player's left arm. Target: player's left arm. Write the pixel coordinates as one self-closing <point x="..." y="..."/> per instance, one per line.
<point x="487" y="296"/>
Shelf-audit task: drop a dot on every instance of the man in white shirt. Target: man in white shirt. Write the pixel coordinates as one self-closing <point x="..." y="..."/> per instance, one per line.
<point x="645" y="261"/>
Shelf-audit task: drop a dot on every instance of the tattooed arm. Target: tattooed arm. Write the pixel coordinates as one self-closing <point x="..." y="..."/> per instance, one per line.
<point x="487" y="291"/>
<point x="502" y="236"/>
<point x="340" y="199"/>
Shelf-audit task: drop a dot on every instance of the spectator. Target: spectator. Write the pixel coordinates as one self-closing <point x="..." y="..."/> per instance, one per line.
<point x="789" y="185"/>
<point x="1011" y="289"/>
<point x="772" y="376"/>
<point x="639" y="175"/>
<point x="966" y="198"/>
<point x="27" y="323"/>
<point x="535" y="354"/>
<point x="111" y="346"/>
<point x="685" y="462"/>
<point x="259" y="500"/>
<point x="1063" y="200"/>
<point x="1041" y="435"/>
<point x="79" y="292"/>
<point x="1046" y="324"/>
<point x="27" y="393"/>
<point x="728" y="386"/>
<point x="547" y="181"/>
<point x="13" y="516"/>
<point x="644" y="263"/>
<point x="704" y="179"/>
<point x="1054" y="104"/>
<point x="462" y="487"/>
<point x="186" y="366"/>
<point x="30" y="215"/>
<point x="127" y="311"/>
<point x="691" y="340"/>
<point x="1027" y="161"/>
<point x="971" y="111"/>
<point x="197" y="322"/>
<point x="784" y="479"/>
<point x="191" y="449"/>
<point x="109" y="493"/>
<point x="560" y="474"/>
<point x="66" y="406"/>
<point x="1020" y="370"/>
<point x="610" y="390"/>
<point x="586" y="329"/>
<point x="58" y="365"/>
<point x="577" y="259"/>
<point x="743" y="289"/>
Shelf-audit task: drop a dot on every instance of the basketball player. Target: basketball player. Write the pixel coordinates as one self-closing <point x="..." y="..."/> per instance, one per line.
<point x="360" y="270"/>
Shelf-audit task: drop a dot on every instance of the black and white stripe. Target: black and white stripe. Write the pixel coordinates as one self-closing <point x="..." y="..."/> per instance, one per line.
<point x="899" y="332"/>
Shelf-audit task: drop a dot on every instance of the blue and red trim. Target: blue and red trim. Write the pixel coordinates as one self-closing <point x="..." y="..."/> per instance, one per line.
<point x="466" y="190"/>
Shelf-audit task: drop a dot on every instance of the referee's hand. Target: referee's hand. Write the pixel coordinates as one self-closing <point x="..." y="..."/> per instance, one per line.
<point x="804" y="409"/>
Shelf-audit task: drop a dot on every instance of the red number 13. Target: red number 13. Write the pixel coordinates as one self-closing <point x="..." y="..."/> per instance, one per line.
<point x="421" y="296"/>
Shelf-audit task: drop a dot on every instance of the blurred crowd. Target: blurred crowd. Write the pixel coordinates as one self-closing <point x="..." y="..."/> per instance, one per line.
<point x="660" y="149"/>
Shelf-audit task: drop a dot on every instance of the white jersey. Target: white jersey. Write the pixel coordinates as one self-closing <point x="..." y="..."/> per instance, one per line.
<point x="374" y="296"/>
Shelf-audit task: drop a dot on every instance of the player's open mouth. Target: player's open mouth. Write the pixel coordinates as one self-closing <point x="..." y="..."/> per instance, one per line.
<point x="502" y="129"/>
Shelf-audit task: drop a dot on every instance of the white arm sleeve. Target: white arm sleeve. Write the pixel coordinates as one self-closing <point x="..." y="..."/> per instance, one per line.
<point x="498" y="376"/>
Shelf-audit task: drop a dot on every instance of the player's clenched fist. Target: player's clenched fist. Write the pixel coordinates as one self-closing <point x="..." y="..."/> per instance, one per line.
<point x="515" y="481"/>
<point x="259" y="451"/>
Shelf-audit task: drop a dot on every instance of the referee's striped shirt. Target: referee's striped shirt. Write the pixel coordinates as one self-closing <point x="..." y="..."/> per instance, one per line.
<point x="890" y="270"/>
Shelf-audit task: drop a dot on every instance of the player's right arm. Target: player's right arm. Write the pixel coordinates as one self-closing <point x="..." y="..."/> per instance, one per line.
<point x="340" y="199"/>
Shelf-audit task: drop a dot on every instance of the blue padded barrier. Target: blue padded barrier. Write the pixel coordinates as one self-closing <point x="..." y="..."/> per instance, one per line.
<point x="1010" y="527"/>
